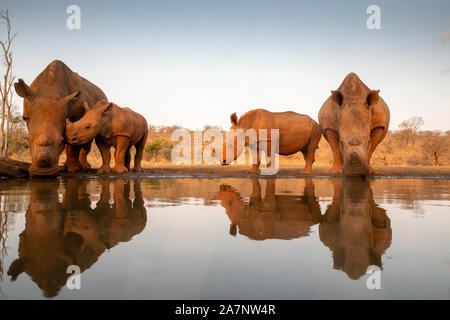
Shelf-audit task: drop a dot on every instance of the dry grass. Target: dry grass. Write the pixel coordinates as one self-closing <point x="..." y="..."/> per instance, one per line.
<point x="393" y="156"/>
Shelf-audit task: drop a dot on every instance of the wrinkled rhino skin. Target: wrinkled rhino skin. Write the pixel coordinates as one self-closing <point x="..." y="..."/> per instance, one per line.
<point x="57" y="93"/>
<point x="354" y="120"/>
<point x="297" y="132"/>
<point x="111" y="125"/>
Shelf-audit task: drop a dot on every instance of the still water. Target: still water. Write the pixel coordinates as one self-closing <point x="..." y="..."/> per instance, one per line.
<point x="227" y="238"/>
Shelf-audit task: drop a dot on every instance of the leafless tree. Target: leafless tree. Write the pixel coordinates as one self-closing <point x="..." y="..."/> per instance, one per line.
<point x="410" y="128"/>
<point x="7" y="84"/>
<point x="17" y="126"/>
<point x="3" y="233"/>
<point x="436" y="147"/>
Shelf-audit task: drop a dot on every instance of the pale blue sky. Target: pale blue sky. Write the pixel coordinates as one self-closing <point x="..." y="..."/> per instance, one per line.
<point x="195" y="62"/>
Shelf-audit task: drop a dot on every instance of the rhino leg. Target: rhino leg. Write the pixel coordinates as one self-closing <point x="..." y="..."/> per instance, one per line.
<point x="376" y="136"/>
<point x="333" y="211"/>
<point x="139" y="152"/>
<point x="310" y="150"/>
<point x="333" y="140"/>
<point x="312" y="201"/>
<point x="128" y="158"/>
<point x="309" y="159"/>
<point x="255" y="167"/>
<point x="256" y="189"/>
<point x="72" y="163"/>
<point x="105" y="151"/>
<point x="122" y="145"/>
<point x="85" y="149"/>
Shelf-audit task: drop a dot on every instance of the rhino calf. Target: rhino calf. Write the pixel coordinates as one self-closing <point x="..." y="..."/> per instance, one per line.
<point x="111" y="125"/>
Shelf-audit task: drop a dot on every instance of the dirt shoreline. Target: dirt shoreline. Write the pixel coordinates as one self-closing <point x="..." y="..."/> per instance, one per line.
<point x="289" y="171"/>
<point x="283" y="172"/>
<point x="13" y="168"/>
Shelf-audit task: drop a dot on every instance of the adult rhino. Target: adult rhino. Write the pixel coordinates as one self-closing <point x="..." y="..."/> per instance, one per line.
<point x="297" y="132"/>
<point x="55" y="95"/>
<point x="354" y="120"/>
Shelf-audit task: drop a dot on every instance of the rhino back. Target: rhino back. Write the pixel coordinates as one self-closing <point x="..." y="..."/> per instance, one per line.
<point x="294" y="129"/>
<point x="57" y="80"/>
<point x="284" y="121"/>
<point x="127" y="122"/>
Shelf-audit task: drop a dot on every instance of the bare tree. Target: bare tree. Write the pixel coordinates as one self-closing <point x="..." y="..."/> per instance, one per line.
<point x="7" y="83"/>
<point x="17" y="126"/>
<point x="410" y="128"/>
<point x="3" y="233"/>
<point x="436" y="147"/>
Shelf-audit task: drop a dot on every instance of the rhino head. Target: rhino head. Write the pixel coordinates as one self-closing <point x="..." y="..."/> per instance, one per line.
<point x="354" y="106"/>
<point x="231" y="150"/>
<point x="45" y="118"/>
<point x="90" y="125"/>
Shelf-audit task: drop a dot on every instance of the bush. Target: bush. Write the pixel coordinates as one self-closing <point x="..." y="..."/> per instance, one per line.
<point x="158" y="147"/>
<point x="18" y="145"/>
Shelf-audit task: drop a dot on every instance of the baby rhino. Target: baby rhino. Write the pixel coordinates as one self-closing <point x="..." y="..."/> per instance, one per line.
<point x="111" y="125"/>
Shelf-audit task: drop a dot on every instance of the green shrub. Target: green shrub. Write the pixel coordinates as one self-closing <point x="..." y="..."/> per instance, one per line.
<point x="17" y="145"/>
<point x="158" y="147"/>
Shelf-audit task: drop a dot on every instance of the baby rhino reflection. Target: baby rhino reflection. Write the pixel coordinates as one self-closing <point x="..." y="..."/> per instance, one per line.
<point x="58" y="234"/>
<point x="275" y="216"/>
<point x="355" y="229"/>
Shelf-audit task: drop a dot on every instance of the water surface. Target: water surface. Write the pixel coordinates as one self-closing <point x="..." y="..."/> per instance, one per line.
<point x="227" y="238"/>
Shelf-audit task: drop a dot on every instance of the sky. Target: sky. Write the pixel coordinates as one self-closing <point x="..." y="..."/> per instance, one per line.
<point x="193" y="63"/>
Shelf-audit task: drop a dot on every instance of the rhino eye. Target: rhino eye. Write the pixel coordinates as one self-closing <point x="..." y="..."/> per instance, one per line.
<point x="88" y="126"/>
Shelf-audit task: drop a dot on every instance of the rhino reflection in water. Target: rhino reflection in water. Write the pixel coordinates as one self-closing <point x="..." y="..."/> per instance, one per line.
<point x="58" y="234"/>
<point x="355" y="229"/>
<point x="275" y="216"/>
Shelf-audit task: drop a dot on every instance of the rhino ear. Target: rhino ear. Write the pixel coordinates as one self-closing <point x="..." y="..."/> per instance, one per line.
<point x="71" y="98"/>
<point x="234" y="119"/>
<point x="337" y="97"/>
<point x="85" y="106"/>
<point x="373" y="98"/>
<point x="23" y="90"/>
<point x="105" y="108"/>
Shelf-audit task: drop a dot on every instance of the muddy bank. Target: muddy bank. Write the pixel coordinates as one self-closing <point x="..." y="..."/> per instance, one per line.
<point x="17" y="169"/>
<point x="285" y="171"/>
